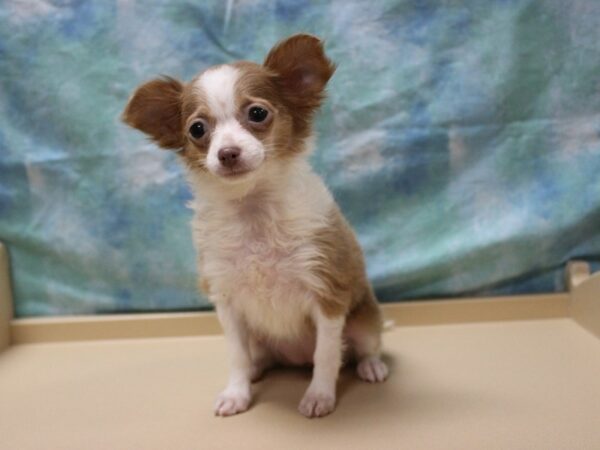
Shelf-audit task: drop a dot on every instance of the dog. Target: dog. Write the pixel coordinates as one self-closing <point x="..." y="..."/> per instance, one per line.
<point x="275" y="255"/>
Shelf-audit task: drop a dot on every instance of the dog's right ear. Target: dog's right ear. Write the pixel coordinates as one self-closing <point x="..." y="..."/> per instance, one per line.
<point x="155" y="109"/>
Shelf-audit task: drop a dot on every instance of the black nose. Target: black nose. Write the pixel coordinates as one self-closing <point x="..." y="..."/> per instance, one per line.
<point x="229" y="156"/>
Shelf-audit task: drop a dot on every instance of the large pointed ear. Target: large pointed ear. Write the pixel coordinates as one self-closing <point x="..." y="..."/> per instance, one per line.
<point x="302" y="70"/>
<point x="155" y="109"/>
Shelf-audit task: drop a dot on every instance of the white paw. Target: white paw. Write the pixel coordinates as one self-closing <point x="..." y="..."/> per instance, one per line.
<point x="372" y="369"/>
<point x="230" y="403"/>
<point x="317" y="404"/>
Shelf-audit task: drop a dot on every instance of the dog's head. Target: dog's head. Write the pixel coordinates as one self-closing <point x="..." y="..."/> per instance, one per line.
<point x="234" y="119"/>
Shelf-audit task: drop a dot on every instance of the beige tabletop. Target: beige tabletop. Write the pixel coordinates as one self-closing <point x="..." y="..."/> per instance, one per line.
<point x="498" y="385"/>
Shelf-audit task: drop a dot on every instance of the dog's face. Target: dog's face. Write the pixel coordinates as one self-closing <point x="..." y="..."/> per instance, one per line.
<point x="234" y="119"/>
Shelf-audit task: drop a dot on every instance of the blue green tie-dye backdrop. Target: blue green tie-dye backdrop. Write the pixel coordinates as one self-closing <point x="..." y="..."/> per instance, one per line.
<point x="461" y="138"/>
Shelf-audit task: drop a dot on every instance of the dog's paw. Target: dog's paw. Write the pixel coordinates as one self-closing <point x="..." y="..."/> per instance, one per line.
<point x="229" y="403"/>
<point x="317" y="404"/>
<point x="372" y="369"/>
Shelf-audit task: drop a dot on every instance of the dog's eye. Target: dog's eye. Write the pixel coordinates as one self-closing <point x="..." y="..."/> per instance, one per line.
<point x="197" y="130"/>
<point x="257" y="114"/>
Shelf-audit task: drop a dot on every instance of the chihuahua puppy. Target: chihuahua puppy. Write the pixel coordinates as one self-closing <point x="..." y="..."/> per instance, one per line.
<point x="275" y="255"/>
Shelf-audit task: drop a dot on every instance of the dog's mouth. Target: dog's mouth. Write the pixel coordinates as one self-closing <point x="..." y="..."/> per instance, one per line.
<point x="234" y="172"/>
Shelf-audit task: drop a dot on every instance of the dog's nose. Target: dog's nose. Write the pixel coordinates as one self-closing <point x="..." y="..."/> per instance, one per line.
<point x="229" y="156"/>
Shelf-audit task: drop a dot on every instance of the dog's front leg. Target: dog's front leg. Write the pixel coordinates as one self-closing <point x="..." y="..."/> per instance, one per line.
<point x="236" y="397"/>
<point x="319" y="399"/>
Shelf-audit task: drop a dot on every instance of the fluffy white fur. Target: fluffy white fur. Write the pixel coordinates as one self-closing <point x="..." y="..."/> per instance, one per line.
<point x="257" y="251"/>
<point x="217" y="85"/>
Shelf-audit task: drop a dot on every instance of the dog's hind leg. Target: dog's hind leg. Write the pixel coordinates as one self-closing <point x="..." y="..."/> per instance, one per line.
<point x="363" y="334"/>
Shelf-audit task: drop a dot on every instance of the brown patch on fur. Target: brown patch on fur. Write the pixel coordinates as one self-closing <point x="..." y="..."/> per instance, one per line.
<point x="364" y="326"/>
<point x="164" y="108"/>
<point x="342" y="268"/>
<point x="348" y="290"/>
<point x="255" y="81"/>
<point x="257" y="84"/>
<point x="194" y="106"/>
<point x="155" y="109"/>
<point x="302" y="71"/>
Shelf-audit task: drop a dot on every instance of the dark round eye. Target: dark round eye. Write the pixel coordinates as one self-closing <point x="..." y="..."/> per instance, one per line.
<point x="197" y="130"/>
<point x="257" y="114"/>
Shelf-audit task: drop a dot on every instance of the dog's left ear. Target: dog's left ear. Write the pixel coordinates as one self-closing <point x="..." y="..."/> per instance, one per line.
<point x="155" y="109"/>
<point x="302" y="71"/>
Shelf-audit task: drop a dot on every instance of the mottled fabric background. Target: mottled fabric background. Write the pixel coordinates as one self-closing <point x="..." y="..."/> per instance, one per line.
<point x="461" y="139"/>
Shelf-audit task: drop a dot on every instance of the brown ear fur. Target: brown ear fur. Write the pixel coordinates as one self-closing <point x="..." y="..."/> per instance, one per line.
<point x="155" y="109"/>
<point x="302" y="70"/>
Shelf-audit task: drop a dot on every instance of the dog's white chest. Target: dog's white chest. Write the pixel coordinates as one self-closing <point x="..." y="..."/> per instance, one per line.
<point x="260" y="253"/>
<point x="269" y="290"/>
<point x="265" y="271"/>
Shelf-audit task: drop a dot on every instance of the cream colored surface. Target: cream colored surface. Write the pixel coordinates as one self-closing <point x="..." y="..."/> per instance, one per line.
<point x="505" y="385"/>
<point x="585" y="304"/>
<point x="476" y="374"/>
<point x="125" y="326"/>
<point x="6" y="300"/>
<point x="122" y="326"/>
